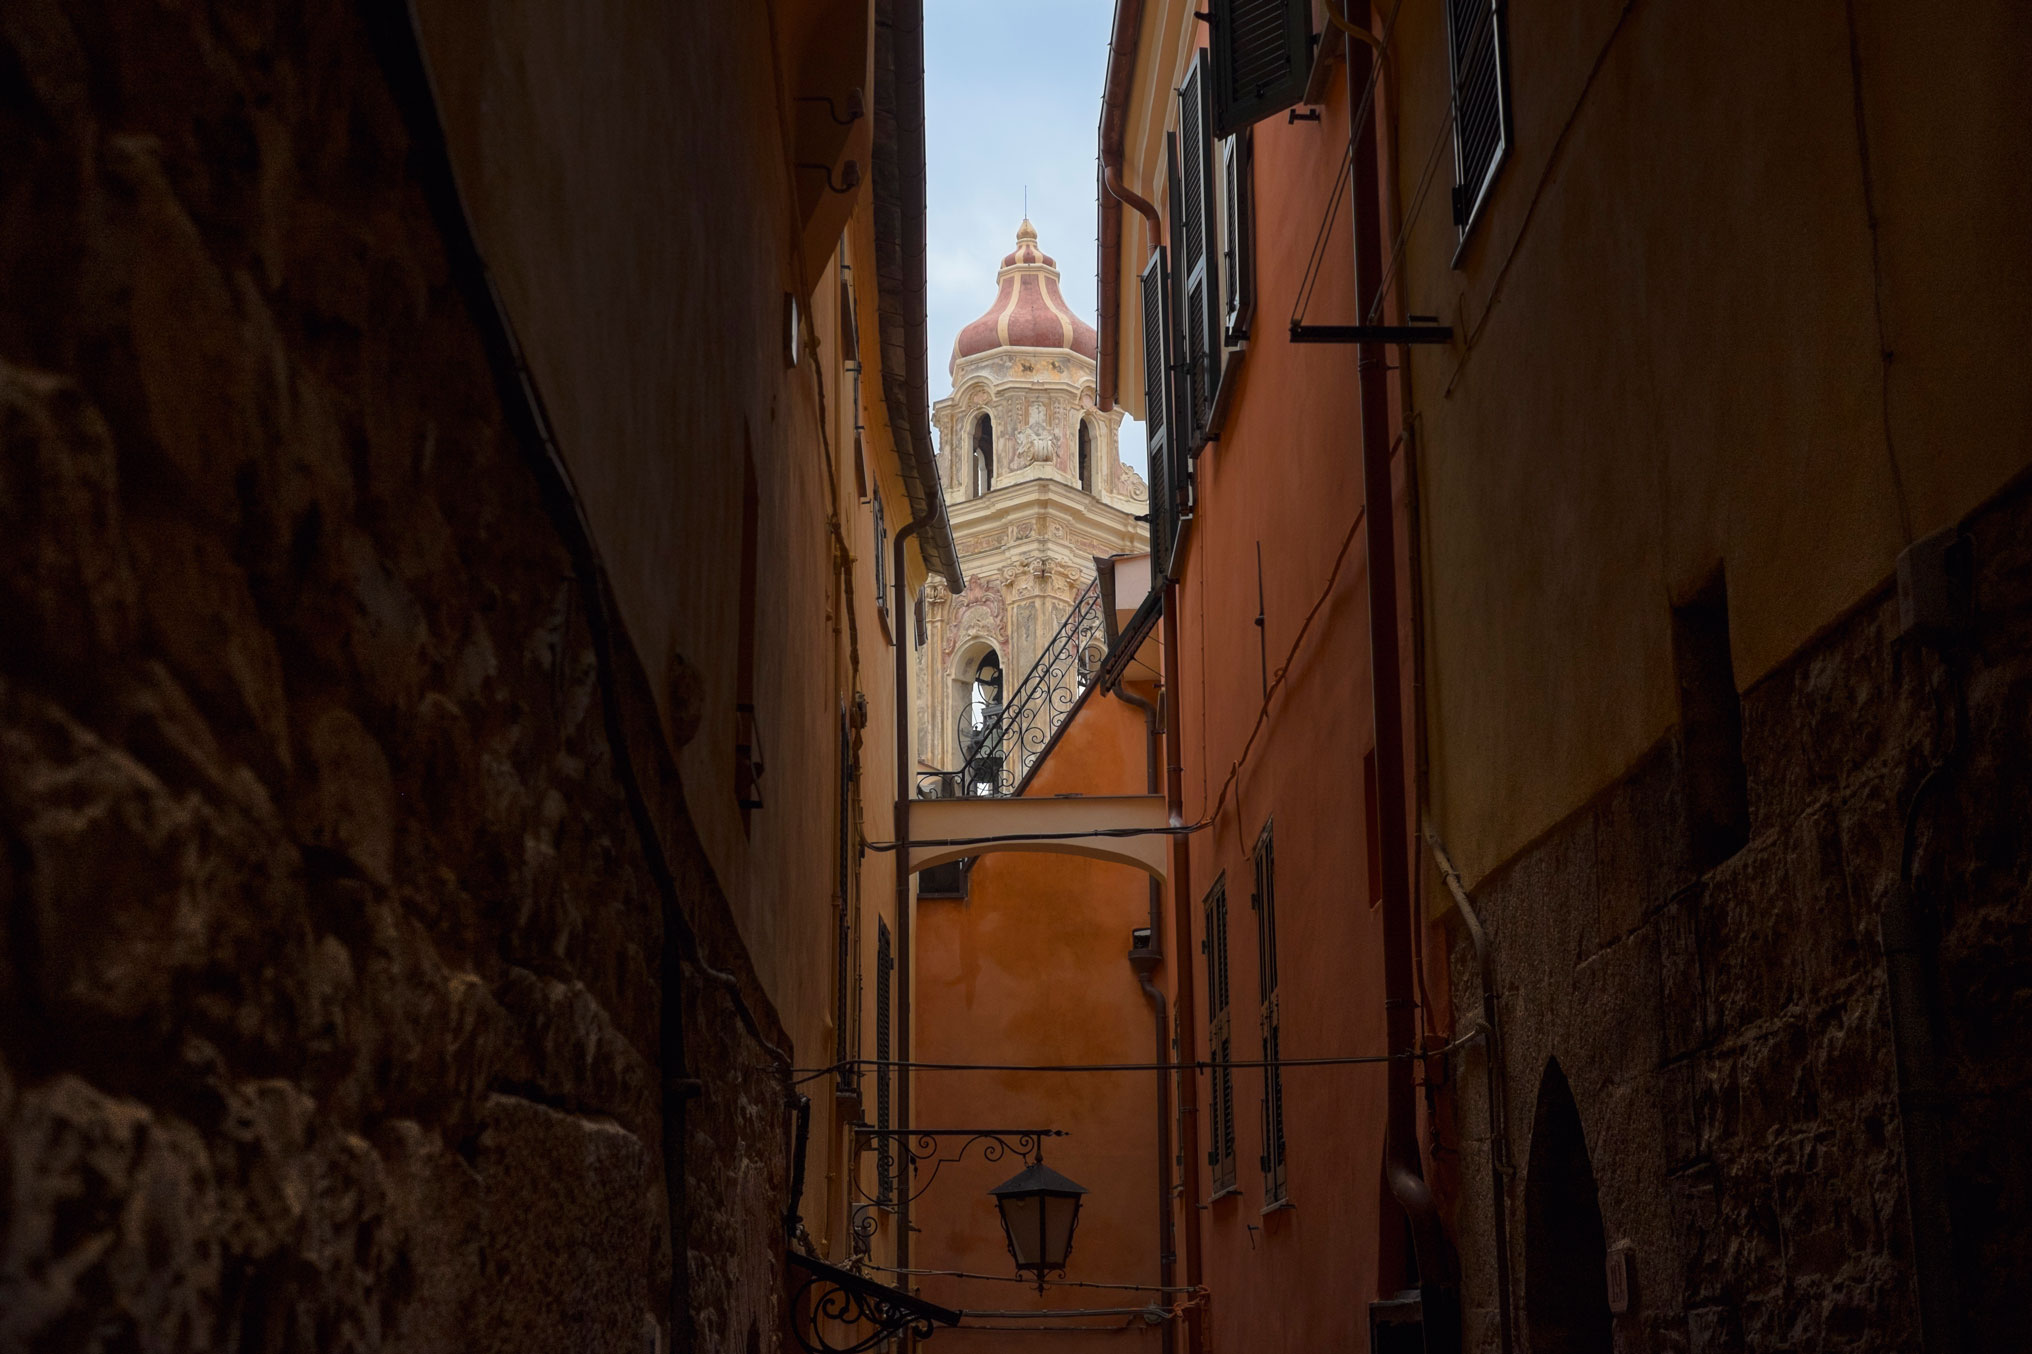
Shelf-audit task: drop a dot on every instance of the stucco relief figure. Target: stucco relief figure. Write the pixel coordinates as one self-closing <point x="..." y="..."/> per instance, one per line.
<point x="1035" y="441"/>
<point x="979" y="611"/>
<point x="1129" y="484"/>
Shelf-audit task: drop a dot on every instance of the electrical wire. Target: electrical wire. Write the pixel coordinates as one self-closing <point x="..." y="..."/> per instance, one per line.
<point x="800" y="1076"/>
<point x="1017" y="1278"/>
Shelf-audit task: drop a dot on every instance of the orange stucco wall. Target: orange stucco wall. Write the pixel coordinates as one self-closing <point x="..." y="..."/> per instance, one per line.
<point x="1031" y="968"/>
<point x="1283" y="486"/>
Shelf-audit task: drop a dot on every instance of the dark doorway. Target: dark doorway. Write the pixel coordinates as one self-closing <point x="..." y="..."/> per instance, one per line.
<point x="1566" y="1287"/>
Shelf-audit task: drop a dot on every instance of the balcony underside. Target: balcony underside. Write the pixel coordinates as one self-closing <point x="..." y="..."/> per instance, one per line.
<point x="942" y="830"/>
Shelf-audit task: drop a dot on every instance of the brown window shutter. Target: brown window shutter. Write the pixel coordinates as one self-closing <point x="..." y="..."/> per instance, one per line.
<point x="1262" y="55"/>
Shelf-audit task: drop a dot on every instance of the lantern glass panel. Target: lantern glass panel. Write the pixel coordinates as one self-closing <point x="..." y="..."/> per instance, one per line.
<point x="1060" y="1212"/>
<point x="1023" y="1218"/>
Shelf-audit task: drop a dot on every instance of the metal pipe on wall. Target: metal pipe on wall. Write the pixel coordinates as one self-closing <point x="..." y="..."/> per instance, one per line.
<point x="1181" y="935"/>
<point x="1167" y="1244"/>
<point x="1404" y="1168"/>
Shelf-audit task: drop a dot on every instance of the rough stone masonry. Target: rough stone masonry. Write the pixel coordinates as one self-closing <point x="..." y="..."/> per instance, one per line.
<point x="1728" y="1032"/>
<point x="333" y="986"/>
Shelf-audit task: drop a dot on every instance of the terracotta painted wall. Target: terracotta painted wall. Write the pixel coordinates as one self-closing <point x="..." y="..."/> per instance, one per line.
<point x="1284" y="480"/>
<point x="1031" y="968"/>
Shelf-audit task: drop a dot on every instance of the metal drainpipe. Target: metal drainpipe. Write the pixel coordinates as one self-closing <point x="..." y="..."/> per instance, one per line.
<point x="1167" y="1244"/>
<point x="906" y="958"/>
<point x="1404" y="1169"/>
<point x="1181" y="932"/>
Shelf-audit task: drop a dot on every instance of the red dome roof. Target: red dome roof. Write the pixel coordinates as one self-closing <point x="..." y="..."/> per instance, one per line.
<point x="1029" y="309"/>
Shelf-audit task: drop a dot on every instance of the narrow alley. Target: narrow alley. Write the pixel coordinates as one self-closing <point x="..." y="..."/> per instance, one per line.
<point x="613" y="738"/>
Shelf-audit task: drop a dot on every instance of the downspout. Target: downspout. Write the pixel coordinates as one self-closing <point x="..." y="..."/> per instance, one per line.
<point x="906" y="958"/>
<point x="1145" y="963"/>
<point x="1439" y="1294"/>
<point x="1182" y="972"/>
<point x="1122" y="45"/>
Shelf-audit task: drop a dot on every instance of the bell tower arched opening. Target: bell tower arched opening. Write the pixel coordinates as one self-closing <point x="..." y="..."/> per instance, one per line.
<point x="984" y="455"/>
<point x="1566" y="1286"/>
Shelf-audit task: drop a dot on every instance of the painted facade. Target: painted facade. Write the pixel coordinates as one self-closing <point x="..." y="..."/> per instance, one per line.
<point x="1036" y="489"/>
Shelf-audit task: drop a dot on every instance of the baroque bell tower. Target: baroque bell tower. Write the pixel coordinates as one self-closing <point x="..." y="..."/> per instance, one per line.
<point x="1035" y="490"/>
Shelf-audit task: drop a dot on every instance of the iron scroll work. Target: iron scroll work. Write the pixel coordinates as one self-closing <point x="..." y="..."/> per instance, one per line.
<point x="921" y="1145"/>
<point x="830" y="1299"/>
<point x="999" y="743"/>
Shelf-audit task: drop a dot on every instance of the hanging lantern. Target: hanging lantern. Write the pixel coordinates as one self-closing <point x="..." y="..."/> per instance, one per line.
<point x="1039" y="1209"/>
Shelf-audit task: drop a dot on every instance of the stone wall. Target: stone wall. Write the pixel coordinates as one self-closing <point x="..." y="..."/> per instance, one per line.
<point x="1728" y="1035"/>
<point x="340" y="1006"/>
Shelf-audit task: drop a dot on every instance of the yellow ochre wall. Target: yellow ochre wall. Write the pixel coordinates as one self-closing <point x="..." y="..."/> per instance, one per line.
<point x="654" y="411"/>
<point x="1682" y="343"/>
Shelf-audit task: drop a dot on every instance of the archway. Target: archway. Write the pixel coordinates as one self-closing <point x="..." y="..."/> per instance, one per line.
<point x="1566" y="1287"/>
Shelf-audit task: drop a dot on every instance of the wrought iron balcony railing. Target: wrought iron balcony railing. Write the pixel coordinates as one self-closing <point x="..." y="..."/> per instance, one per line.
<point x="1000" y="744"/>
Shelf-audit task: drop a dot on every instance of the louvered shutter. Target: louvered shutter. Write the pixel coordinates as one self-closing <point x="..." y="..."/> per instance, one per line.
<point x="1157" y="412"/>
<point x="1262" y="54"/>
<point x="1238" y="245"/>
<point x="1199" y="255"/>
<point x="1481" y="103"/>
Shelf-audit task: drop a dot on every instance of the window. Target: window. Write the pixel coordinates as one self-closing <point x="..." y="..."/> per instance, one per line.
<point x="984" y="455"/>
<point x="1262" y="56"/>
<point x="1481" y="103"/>
<point x="1266" y="974"/>
<point x="1195" y="226"/>
<point x="1086" y="456"/>
<point x="881" y="561"/>
<point x="747" y="738"/>
<point x="1238" y="246"/>
<point x="885" y="1153"/>
<point x="1373" y="816"/>
<point x="1157" y="413"/>
<point x="1715" y="788"/>
<point x="1220" y="1041"/>
<point x="843" y="977"/>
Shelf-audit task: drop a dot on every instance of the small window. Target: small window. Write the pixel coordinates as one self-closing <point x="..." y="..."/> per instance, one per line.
<point x="1266" y="973"/>
<point x="885" y="967"/>
<point x="1715" y="788"/>
<point x="1238" y="246"/>
<point x="843" y="976"/>
<point x="747" y="737"/>
<point x="881" y="558"/>
<point x="1086" y="457"/>
<point x="984" y="455"/>
<point x="1220" y="1041"/>
<point x="1481" y="103"/>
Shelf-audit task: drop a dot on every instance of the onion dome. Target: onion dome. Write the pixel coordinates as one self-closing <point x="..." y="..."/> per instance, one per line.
<point x="1029" y="309"/>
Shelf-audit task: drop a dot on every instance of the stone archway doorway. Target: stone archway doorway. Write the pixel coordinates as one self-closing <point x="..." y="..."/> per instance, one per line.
<point x="1566" y="1288"/>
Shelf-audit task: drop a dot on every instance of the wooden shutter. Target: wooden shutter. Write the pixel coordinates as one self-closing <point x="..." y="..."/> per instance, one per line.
<point x="1199" y="287"/>
<point x="1481" y="103"/>
<point x="1262" y="54"/>
<point x="1238" y="243"/>
<point x="1157" y="412"/>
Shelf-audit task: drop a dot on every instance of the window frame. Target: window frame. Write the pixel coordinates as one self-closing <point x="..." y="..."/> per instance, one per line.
<point x="1468" y="210"/>
<point x="1220" y="1041"/>
<point x="1275" y="1158"/>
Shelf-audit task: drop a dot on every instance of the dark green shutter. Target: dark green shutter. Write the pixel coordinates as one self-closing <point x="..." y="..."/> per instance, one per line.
<point x="1157" y="412"/>
<point x="1198" y="271"/>
<point x="1481" y="102"/>
<point x="1262" y="55"/>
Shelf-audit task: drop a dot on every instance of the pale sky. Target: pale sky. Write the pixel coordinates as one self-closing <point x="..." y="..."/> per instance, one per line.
<point x="1013" y="98"/>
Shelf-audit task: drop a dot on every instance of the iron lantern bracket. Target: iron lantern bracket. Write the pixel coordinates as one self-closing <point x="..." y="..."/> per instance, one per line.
<point x="1371" y="333"/>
